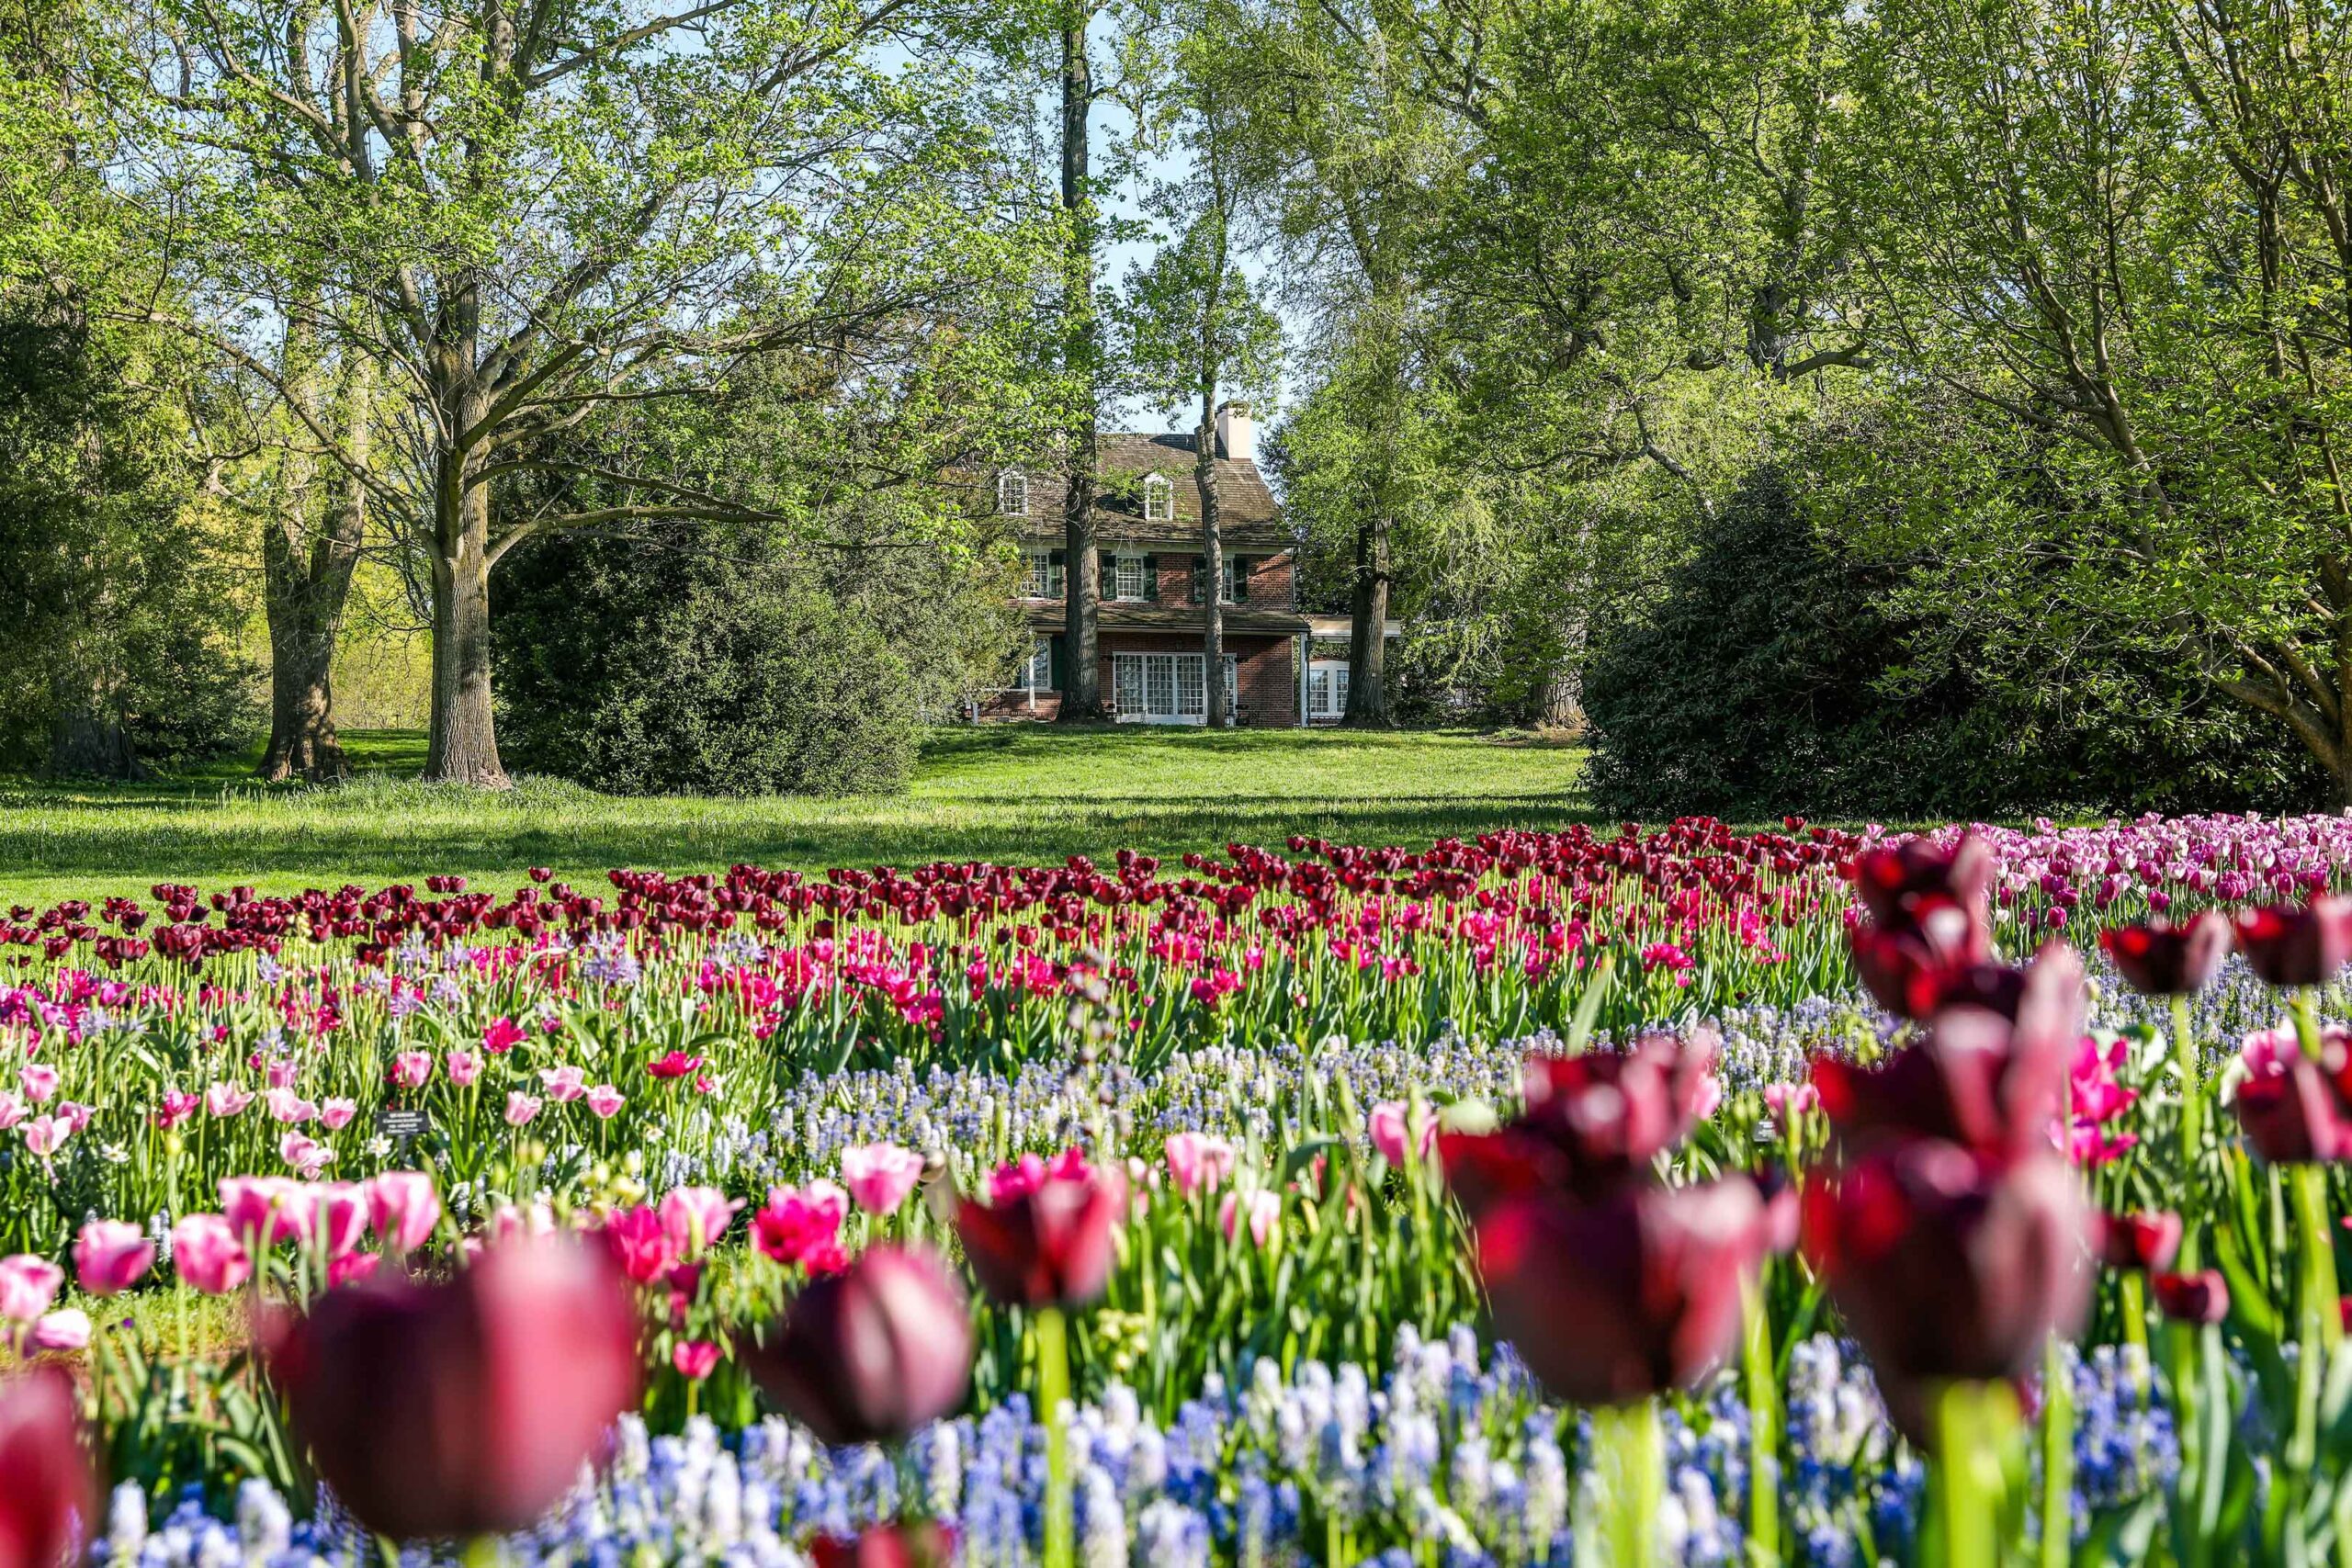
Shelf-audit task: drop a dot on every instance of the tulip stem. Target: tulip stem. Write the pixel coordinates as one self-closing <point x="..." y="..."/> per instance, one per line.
<point x="1053" y="1393"/>
<point x="1630" y="1445"/>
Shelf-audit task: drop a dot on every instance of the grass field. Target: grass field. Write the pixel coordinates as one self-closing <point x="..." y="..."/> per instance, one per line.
<point x="1008" y="792"/>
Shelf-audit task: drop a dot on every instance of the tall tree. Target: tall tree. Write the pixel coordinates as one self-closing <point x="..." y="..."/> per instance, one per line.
<point x="1192" y="326"/>
<point x="528" y="212"/>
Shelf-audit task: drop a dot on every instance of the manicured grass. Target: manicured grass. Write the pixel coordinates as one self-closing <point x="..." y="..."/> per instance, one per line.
<point x="1016" y="792"/>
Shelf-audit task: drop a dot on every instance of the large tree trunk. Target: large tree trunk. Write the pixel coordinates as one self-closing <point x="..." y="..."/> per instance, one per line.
<point x="1368" y="630"/>
<point x="1082" y="572"/>
<point x="464" y="745"/>
<point x="1211" y="560"/>
<point x="304" y="592"/>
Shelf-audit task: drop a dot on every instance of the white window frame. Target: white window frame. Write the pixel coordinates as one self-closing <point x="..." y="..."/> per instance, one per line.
<point x="1040" y="577"/>
<point x="1124" y="563"/>
<point x="1012" y="494"/>
<point x="1159" y="499"/>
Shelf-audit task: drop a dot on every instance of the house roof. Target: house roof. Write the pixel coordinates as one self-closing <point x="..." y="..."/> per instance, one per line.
<point x="1248" y="513"/>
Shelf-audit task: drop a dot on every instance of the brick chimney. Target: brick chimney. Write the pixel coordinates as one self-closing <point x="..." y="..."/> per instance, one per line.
<point x="1235" y="437"/>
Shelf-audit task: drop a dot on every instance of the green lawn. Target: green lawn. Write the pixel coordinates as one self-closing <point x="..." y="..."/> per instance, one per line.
<point x="1015" y="792"/>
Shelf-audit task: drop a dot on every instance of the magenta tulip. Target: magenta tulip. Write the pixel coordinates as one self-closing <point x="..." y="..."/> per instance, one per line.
<point x="869" y="1354"/>
<point x="455" y="1410"/>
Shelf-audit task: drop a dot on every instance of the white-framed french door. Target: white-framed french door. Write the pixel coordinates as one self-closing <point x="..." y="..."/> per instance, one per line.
<point x="1165" y="688"/>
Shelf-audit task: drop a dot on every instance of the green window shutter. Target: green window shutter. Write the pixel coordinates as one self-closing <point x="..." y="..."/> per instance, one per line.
<point x="1152" y="577"/>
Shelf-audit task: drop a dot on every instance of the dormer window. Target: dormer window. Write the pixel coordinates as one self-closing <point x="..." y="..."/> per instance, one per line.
<point x="1012" y="494"/>
<point x="1159" y="499"/>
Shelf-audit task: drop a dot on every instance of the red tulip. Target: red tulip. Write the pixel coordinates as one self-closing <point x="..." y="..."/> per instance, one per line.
<point x="920" y="1545"/>
<point x="1047" y="1239"/>
<point x="868" y="1355"/>
<point x="1990" y="1073"/>
<point x="2161" y="959"/>
<point x="2202" y="1297"/>
<point x="1616" y="1300"/>
<point x="1951" y="1264"/>
<point x="2145" y="1241"/>
<point x="46" y="1486"/>
<point x="466" y="1408"/>
<point x="2289" y="946"/>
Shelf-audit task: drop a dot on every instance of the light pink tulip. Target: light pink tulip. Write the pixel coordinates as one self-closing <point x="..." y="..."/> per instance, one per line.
<point x="207" y="1253"/>
<point x="1265" y="1209"/>
<point x="404" y="1208"/>
<point x="1198" y="1159"/>
<point x="67" y="1330"/>
<point x="880" y="1175"/>
<point x="110" y="1254"/>
<point x="27" y="1286"/>
<point x="693" y="1218"/>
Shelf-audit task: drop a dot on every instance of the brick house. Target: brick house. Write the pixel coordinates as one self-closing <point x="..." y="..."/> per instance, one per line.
<point x="1148" y="533"/>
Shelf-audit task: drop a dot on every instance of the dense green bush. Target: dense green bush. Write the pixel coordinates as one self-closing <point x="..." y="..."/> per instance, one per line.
<point x="642" y="668"/>
<point x="1782" y="670"/>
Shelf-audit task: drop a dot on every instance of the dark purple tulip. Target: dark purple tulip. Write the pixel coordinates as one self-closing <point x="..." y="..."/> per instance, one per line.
<point x="449" y="1411"/>
<point x="1952" y="1265"/>
<point x="2296" y="1113"/>
<point x="1050" y="1246"/>
<point x="2202" y="1297"/>
<point x="1626" y="1297"/>
<point x="45" y="1489"/>
<point x="2160" y="959"/>
<point x="1990" y="1073"/>
<point x="2286" y="945"/>
<point x="2139" y="1241"/>
<point x="867" y="1355"/>
<point x="1901" y="884"/>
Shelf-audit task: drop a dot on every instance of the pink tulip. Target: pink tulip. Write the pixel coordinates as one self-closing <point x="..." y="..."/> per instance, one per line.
<point x="564" y="1085"/>
<point x="110" y="1254"/>
<point x="605" y="1101"/>
<point x="269" y="1208"/>
<point x="44" y="1136"/>
<point x="40" y="1080"/>
<point x="695" y="1359"/>
<point x="27" y="1286"/>
<point x="1198" y="1159"/>
<point x="521" y="1107"/>
<point x="68" y="1330"/>
<point x="695" y="1218"/>
<point x="403" y="1208"/>
<point x="1265" y="1212"/>
<point x="207" y="1253"/>
<point x="225" y="1100"/>
<point x="464" y="1069"/>
<point x="411" y="1070"/>
<point x="1389" y="1134"/>
<point x="880" y="1175"/>
<point x="337" y="1114"/>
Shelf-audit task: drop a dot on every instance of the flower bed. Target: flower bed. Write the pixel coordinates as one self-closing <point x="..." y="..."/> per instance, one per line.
<point x="1216" y="1143"/>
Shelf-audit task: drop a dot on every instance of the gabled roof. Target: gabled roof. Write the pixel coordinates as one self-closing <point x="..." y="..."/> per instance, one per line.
<point x="1248" y="510"/>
